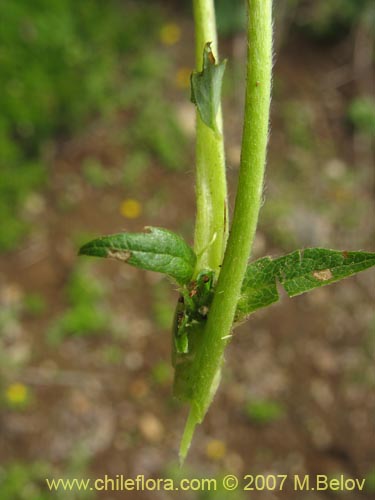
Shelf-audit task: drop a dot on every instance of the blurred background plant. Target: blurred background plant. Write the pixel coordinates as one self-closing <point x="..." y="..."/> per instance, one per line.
<point x="59" y="72"/>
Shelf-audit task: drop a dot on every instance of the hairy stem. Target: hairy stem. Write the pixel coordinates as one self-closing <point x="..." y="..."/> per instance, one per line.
<point x="206" y="366"/>
<point x="211" y="191"/>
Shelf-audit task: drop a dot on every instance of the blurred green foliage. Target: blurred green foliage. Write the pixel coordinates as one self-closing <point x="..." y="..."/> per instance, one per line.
<point x="162" y="373"/>
<point x="134" y="168"/>
<point x="95" y="173"/>
<point x="370" y="481"/>
<point x="10" y="316"/>
<point x="263" y="411"/>
<point x="85" y="314"/>
<point x="320" y="20"/>
<point x="361" y="113"/>
<point x="80" y="320"/>
<point x="34" y="304"/>
<point x="298" y="122"/>
<point x="61" y="63"/>
<point x="231" y="16"/>
<point x="157" y="130"/>
<point x="24" y="481"/>
<point x="27" y="481"/>
<point x="18" y="178"/>
<point x="162" y="306"/>
<point x="112" y="354"/>
<point x="325" y="20"/>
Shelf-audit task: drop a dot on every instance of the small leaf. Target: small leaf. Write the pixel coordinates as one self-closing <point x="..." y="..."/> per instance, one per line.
<point x="206" y="88"/>
<point x="156" y="250"/>
<point x="298" y="272"/>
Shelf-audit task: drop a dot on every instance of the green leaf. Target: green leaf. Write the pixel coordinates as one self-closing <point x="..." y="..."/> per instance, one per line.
<point x="156" y="250"/>
<point x="258" y="288"/>
<point x="206" y="88"/>
<point x="298" y="272"/>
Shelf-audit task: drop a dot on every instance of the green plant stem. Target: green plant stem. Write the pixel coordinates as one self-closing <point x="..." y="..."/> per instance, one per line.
<point x="207" y="364"/>
<point x="211" y="190"/>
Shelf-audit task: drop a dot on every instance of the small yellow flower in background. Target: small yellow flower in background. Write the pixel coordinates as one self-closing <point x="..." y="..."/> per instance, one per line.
<point x="216" y="449"/>
<point x="17" y="394"/>
<point x="182" y="78"/>
<point x="170" y="34"/>
<point x="131" y="209"/>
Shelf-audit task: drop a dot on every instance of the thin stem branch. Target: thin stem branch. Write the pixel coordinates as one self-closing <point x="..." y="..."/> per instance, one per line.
<point x="207" y="364"/>
<point x="211" y="191"/>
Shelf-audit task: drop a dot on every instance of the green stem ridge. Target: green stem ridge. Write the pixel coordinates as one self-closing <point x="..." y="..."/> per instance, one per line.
<point x="206" y="366"/>
<point x="211" y="191"/>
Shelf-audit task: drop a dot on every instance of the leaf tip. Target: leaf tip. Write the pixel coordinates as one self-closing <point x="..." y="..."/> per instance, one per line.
<point x="82" y="250"/>
<point x="187" y="436"/>
<point x="93" y="249"/>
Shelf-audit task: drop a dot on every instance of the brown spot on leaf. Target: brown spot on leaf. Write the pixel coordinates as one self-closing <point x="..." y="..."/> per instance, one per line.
<point x="345" y="254"/>
<point x="323" y="275"/>
<point x="124" y="256"/>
